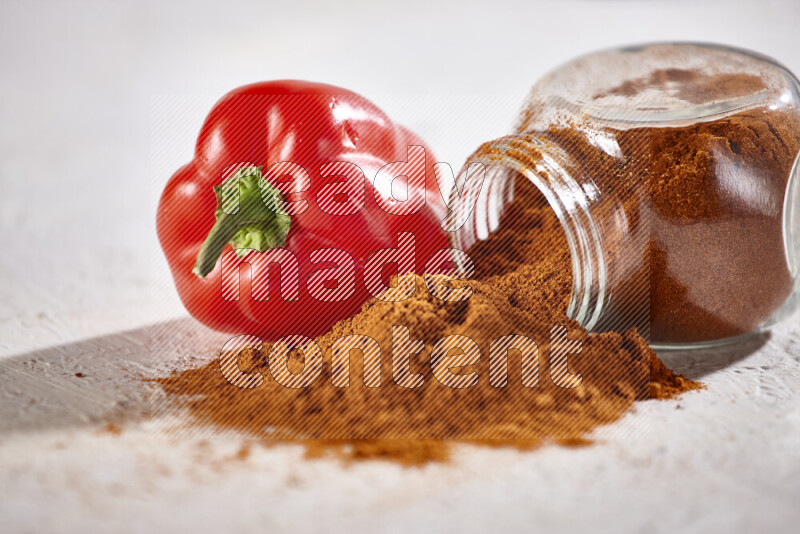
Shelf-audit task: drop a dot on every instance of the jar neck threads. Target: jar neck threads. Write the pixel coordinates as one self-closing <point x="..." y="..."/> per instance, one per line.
<point x="570" y="195"/>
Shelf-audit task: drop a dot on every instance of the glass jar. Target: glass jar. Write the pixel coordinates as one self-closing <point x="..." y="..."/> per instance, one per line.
<point x="672" y="169"/>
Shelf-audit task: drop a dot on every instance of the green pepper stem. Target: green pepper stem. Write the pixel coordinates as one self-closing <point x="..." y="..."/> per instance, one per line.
<point x="221" y="233"/>
<point x="249" y="217"/>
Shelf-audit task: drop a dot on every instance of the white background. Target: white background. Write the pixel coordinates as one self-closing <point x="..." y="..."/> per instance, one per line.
<point x="84" y="151"/>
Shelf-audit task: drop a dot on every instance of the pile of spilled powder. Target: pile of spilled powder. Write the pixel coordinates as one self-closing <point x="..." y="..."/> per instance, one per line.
<point x="522" y="287"/>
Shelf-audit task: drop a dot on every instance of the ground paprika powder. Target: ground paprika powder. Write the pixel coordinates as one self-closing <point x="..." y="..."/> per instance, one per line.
<point x="526" y="292"/>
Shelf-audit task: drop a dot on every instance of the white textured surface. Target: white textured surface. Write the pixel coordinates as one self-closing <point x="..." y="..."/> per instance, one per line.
<point x="82" y="161"/>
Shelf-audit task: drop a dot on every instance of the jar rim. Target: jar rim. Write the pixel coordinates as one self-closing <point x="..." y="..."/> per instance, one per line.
<point x="511" y="156"/>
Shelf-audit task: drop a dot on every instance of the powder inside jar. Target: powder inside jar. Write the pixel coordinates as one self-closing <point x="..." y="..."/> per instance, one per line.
<point x="692" y="216"/>
<point x="718" y="267"/>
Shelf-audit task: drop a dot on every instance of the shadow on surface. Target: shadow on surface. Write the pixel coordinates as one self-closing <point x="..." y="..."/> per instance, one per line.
<point x="698" y="363"/>
<point x="98" y="380"/>
<point x="92" y="382"/>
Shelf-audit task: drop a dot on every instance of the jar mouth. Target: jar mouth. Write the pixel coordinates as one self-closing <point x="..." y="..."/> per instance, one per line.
<point x="568" y="200"/>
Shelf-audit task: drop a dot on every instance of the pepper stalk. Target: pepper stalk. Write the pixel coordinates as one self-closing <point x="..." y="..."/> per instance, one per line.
<point x="250" y="216"/>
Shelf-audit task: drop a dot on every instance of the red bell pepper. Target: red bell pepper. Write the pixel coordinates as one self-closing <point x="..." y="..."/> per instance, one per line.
<point x="291" y="154"/>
